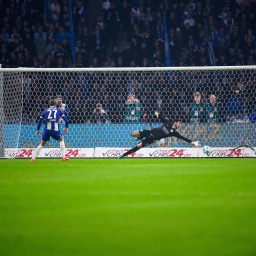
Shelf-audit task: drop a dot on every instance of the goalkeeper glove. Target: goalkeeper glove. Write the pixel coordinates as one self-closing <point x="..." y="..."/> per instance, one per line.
<point x="156" y="113"/>
<point x="195" y="144"/>
<point x="62" y="107"/>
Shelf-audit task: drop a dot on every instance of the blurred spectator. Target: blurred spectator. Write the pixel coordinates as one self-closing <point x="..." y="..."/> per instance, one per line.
<point x="15" y="39"/>
<point x="127" y="55"/>
<point x="182" y="106"/>
<point x="51" y="47"/>
<point x="221" y="49"/>
<point x="102" y="26"/>
<point x="5" y="36"/>
<point x="101" y="22"/>
<point x="189" y="19"/>
<point x="115" y="54"/>
<point x="61" y="53"/>
<point x="55" y="10"/>
<point x="67" y="47"/>
<point x="99" y="115"/>
<point x="186" y="32"/>
<point x="234" y="107"/>
<point x="112" y="23"/>
<point x="252" y="115"/>
<point x="81" y="83"/>
<point x="85" y="39"/>
<point x="172" y="21"/>
<point x="66" y="20"/>
<point x="23" y="11"/>
<point x="175" y="43"/>
<point x="105" y="5"/>
<point x="35" y="11"/>
<point x="79" y="13"/>
<point x="82" y="57"/>
<point x="98" y="43"/>
<point x="20" y="60"/>
<point x="133" y="110"/>
<point x="95" y="63"/>
<point x="40" y="46"/>
<point x="232" y="56"/>
<point x="29" y="44"/>
<point x="40" y="33"/>
<point x="4" y="55"/>
<point x="212" y="110"/>
<point x="157" y="102"/>
<point x="197" y="109"/>
<point x="119" y="62"/>
<point x="62" y="34"/>
<point x="159" y="33"/>
<point x="145" y="63"/>
<point x="49" y="62"/>
<point x="140" y="43"/>
<point x="143" y="52"/>
<point x="13" y="62"/>
<point x="124" y="12"/>
<point x="50" y="32"/>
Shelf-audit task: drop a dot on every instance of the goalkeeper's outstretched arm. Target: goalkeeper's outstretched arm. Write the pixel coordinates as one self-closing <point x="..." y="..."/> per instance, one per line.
<point x="161" y="117"/>
<point x="194" y="143"/>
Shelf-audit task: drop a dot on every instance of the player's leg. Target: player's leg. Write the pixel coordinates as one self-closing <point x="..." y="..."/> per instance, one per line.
<point x="38" y="149"/>
<point x="132" y="150"/>
<point x="63" y="149"/>
<point x="140" y="145"/>
<point x="140" y="134"/>
<point x="136" y="134"/>
<point x="56" y="135"/>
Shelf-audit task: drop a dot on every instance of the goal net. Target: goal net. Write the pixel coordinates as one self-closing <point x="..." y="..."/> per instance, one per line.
<point x="216" y="105"/>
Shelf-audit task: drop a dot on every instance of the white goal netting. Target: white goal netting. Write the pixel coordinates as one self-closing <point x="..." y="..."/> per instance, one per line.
<point x="216" y="104"/>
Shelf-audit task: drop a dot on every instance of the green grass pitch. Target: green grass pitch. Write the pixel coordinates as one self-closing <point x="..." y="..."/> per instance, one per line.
<point x="198" y="207"/>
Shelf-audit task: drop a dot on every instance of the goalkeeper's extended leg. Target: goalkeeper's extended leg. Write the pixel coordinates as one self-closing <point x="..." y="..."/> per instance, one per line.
<point x="136" y="135"/>
<point x="132" y="150"/>
<point x="140" y="134"/>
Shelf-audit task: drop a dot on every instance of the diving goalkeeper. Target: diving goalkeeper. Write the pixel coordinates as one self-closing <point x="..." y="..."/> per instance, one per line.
<point x="168" y="129"/>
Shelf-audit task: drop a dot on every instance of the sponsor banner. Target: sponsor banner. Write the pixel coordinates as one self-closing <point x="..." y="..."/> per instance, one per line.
<point x="231" y="152"/>
<point x="102" y="152"/>
<point x="49" y="152"/>
<point x="145" y="152"/>
<point x="176" y="152"/>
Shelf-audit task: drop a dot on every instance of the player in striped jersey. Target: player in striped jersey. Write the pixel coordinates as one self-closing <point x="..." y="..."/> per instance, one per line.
<point x="51" y="116"/>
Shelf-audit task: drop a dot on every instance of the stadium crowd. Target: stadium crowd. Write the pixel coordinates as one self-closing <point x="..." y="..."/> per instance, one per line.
<point x="56" y="33"/>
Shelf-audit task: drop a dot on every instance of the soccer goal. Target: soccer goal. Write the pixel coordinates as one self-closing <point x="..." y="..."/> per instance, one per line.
<point x="103" y="105"/>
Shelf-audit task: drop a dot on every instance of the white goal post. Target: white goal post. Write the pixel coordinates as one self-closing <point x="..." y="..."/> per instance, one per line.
<point x="102" y="115"/>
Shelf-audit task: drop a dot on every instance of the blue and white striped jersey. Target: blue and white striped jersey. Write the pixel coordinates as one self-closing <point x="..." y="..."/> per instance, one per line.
<point x="52" y="116"/>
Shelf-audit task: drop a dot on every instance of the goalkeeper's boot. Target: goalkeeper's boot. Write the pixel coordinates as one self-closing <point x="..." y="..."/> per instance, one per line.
<point x="121" y="156"/>
<point x="65" y="159"/>
<point x="32" y="160"/>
